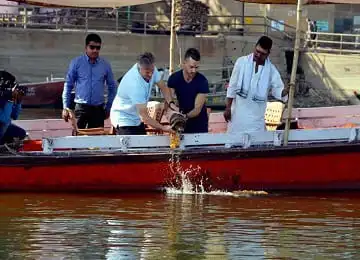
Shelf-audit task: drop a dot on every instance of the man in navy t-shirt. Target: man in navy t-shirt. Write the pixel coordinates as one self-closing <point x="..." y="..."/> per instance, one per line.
<point x="191" y="89"/>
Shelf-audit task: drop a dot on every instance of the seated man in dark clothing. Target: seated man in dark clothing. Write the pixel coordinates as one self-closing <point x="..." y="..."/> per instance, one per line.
<point x="12" y="133"/>
<point x="10" y="107"/>
<point x="191" y="89"/>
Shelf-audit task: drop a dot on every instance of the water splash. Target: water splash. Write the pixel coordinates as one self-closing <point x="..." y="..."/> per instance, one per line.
<point x="188" y="186"/>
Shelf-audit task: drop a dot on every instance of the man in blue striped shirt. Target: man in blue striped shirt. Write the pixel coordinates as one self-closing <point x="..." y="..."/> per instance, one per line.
<point x="89" y="73"/>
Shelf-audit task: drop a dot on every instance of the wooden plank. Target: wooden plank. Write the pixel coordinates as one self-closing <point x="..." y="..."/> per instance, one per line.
<point x="328" y="122"/>
<point x="323" y="117"/>
<point x="34" y="135"/>
<point x="321" y="112"/>
<point x="48" y="124"/>
<point x="216" y="117"/>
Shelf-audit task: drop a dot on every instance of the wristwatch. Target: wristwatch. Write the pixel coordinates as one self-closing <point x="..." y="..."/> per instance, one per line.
<point x="171" y="102"/>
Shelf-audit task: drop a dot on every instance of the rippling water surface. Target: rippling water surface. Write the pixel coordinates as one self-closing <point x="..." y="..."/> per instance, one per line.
<point x="176" y="226"/>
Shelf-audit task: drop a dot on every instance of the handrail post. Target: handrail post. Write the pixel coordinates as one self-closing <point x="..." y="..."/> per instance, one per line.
<point x="86" y="20"/>
<point x="232" y="24"/>
<point x="293" y="71"/>
<point x="341" y="43"/>
<point x="242" y="8"/>
<point x="145" y="21"/>
<point x="172" y="37"/>
<point x="117" y="20"/>
<point x="56" y="19"/>
<point x="266" y="26"/>
<point x="25" y="17"/>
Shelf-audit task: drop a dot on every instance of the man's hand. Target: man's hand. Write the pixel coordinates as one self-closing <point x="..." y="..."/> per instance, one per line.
<point x="171" y="106"/>
<point x="285" y="91"/>
<point x="65" y="114"/>
<point x="185" y="115"/>
<point x="227" y="114"/>
<point x="168" y="129"/>
<point x="17" y="96"/>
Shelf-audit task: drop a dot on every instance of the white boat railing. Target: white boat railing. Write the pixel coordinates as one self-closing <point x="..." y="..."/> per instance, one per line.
<point x="127" y="143"/>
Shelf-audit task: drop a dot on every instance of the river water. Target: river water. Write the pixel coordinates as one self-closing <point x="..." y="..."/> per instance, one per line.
<point x="178" y="226"/>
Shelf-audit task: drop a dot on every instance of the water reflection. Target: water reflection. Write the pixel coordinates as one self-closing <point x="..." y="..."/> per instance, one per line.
<point x="169" y="226"/>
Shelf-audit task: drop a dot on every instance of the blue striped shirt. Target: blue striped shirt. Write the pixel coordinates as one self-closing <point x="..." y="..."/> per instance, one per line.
<point x="90" y="79"/>
<point x="7" y="112"/>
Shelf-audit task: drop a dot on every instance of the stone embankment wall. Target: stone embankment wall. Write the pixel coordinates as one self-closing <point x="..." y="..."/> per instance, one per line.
<point x="33" y="55"/>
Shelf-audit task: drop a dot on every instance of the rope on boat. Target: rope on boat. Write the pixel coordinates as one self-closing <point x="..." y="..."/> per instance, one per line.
<point x="10" y="150"/>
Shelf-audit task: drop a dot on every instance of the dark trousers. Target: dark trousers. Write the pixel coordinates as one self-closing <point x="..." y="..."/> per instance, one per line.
<point x="131" y="130"/>
<point x="12" y="132"/>
<point x="89" y="116"/>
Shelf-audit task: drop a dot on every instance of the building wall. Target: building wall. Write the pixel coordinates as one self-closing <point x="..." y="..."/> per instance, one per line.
<point x="32" y="55"/>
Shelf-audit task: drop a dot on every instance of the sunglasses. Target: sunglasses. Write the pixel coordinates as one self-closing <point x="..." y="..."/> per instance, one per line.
<point x="92" y="47"/>
<point x="260" y="52"/>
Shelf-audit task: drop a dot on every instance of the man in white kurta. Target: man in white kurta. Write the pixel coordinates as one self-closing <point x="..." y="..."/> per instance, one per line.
<point x="252" y="79"/>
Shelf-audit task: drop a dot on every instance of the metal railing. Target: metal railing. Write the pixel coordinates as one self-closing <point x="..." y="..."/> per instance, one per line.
<point x="287" y="32"/>
<point x="119" y="20"/>
<point x="333" y="42"/>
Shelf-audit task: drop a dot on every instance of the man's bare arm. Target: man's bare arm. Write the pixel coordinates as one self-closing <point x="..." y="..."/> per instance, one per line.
<point x="172" y="93"/>
<point x="146" y="119"/>
<point x="228" y="103"/>
<point x="165" y="91"/>
<point x="227" y="112"/>
<point x="199" y="103"/>
<point x="278" y="89"/>
<point x="231" y="90"/>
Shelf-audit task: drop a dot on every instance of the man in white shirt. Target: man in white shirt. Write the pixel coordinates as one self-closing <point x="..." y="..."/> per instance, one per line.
<point x="252" y="78"/>
<point x="129" y="112"/>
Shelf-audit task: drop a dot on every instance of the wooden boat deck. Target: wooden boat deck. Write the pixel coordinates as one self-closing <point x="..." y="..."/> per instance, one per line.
<point x="307" y="118"/>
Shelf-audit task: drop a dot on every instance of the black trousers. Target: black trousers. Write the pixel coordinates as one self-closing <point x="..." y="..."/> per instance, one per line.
<point x="131" y="130"/>
<point x="12" y="132"/>
<point x="89" y="116"/>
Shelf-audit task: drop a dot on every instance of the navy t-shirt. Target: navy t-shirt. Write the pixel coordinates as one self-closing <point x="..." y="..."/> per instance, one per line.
<point x="186" y="93"/>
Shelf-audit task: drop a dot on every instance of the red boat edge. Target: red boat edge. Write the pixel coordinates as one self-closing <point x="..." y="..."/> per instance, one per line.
<point x="319" y="167"/>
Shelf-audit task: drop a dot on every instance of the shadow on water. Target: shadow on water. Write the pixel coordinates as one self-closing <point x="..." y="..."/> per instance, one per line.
<point x="177" y="226"/>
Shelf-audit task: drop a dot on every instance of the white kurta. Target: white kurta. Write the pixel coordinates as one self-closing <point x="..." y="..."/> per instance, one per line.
<point x="248" y="115"/>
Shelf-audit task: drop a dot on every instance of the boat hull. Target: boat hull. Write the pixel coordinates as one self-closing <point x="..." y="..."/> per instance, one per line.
<point x="43" y="94"/>
<point x="321" y="167"/>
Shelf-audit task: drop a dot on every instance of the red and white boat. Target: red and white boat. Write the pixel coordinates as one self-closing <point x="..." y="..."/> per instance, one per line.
<point x="43" y="94"/>
<point x="324" y="158"/>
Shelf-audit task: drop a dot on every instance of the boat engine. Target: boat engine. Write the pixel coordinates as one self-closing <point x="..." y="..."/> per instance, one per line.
<point x="177" y="121"/>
